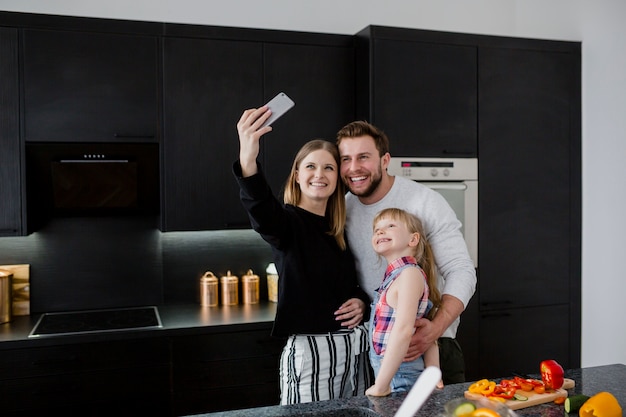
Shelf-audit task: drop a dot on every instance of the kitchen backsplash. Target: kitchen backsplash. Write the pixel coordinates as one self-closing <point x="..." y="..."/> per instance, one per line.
<point x="91" y="263"/>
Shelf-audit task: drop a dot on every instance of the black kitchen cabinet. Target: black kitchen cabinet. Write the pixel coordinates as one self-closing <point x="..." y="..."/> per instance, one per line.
<point x="513" y="102"/>
<point x="10" y="161"/>
<point x="97" y="379"/>
<point x="516" y="340"/>
<point x="420" y="87"/>
<point x="89" y="86"/>
<point x="529" y="204"/>
<point x="226" y="370"/>
<point x="526" y="157"/>
<point x="207" y="85"/>
<point x="320" y="79"/>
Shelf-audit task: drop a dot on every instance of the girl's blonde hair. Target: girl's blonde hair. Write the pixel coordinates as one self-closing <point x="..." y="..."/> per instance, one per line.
<point x="422" y="252"/>
<point x="336" y="206"/>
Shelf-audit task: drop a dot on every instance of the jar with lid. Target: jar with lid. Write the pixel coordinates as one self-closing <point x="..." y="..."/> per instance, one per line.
<point x="230" y="289"/>
<point x="208" y="290"/>
<point x="250" y="287"/>
<point x="6" y="296"/>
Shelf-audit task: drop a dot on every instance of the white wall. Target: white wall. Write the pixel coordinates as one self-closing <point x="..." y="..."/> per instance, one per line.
<point x="598" y="24"/>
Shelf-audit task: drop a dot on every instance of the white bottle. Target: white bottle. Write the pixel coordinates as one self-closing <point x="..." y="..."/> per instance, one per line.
<point x="272" y="283"/>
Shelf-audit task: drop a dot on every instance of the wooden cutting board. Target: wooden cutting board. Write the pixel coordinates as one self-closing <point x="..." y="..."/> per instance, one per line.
<point x="533" y="397"/>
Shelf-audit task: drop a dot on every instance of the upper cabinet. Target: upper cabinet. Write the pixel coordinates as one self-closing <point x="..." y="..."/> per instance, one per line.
<point x="420" y="87"/>
<point x="10" y="161"/>
<point x="209" y="79"/>
<point x="89" y="86"/>
<point x="320" y="79"/>
<point x="207" y="84"/>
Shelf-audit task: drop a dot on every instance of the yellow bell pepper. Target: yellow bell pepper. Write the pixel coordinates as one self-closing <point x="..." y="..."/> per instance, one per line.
<point x="484" y="412"/>
<point x="603" y="404"/>
<point x="483" y="387"/>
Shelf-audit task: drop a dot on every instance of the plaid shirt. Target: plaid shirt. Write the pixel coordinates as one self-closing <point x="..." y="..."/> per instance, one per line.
<point x="385" y="315"/>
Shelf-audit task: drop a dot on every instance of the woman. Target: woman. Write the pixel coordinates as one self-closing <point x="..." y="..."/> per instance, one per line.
<point x="315" y="265"/>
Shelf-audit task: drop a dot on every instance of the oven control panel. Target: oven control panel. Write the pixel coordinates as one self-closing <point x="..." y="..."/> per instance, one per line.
<point x="434" y="169"/>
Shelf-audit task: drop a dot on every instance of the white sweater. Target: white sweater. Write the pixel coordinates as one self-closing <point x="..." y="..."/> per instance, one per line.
<point x="457" y="275"/>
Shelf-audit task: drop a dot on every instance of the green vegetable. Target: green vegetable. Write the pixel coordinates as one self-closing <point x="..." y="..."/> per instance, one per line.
<point x="573" y="403"/>
<point x="464" y="409"/>
<point x="520" y="397"/>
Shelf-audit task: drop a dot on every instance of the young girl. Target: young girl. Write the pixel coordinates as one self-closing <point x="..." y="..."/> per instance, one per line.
<point x="409" y="290"/>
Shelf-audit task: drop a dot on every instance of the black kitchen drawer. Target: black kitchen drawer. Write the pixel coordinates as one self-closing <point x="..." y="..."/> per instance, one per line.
<point x="516" y="340"/>
<point x="106" y="392"/>
<point x="225" y="371"/>
<point x="227" y="398"/>
<point x="222" y="374"/>
<point x="225" y="346"/>
<point x="66" y="359"/>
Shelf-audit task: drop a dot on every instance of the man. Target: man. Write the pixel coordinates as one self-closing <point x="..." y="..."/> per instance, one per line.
<point x="364" y="152"/>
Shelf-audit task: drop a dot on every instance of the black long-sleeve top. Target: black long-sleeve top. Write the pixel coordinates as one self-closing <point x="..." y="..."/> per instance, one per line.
<point x="315" y="275"/>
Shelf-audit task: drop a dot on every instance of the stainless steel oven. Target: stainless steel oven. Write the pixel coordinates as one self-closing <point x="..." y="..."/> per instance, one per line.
<point x="456" y="179"/>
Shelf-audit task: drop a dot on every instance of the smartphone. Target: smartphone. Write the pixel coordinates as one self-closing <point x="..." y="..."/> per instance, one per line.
<point x="279" y="105"/>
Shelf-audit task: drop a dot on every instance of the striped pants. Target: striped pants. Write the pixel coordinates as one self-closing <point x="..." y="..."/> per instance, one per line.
<point x="324" y="366"/>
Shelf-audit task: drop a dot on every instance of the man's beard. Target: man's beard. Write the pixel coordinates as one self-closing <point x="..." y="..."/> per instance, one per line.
<point x="376" y="180"/>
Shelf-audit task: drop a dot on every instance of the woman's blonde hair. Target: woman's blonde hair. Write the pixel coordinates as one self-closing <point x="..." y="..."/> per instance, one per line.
<point x="336" y="206"/>
<point x="422" y="252"/>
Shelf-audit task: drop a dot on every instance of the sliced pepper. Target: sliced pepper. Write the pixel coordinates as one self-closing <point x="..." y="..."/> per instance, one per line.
<point x="497" y="399"/>
<point x="526" y="384"/>
<point x="551" y="374"/>
<point x="482" y="387"/>
<point x="503" y="392"/>
<point x="506" y="383"/>
<point x="603" y="404"/>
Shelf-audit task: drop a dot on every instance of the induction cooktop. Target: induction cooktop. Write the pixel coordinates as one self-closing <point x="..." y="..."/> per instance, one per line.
<point x="96" y="321"/>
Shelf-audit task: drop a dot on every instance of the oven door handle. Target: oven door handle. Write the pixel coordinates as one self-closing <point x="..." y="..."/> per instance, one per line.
<point x="461" y="186"/>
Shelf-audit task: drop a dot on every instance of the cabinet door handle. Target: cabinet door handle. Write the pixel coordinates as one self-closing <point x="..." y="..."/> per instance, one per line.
<point x="497" y="303"/>
<point x="457" y="186"/>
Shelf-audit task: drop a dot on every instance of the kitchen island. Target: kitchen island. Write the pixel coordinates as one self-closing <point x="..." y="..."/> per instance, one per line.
<point x="589" y="381"/>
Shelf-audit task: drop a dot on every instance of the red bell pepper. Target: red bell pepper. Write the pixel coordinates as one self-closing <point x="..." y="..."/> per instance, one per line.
<point x="526" y="384"/>
<point x="551" y="374"/>
<point x="503" y="392"/>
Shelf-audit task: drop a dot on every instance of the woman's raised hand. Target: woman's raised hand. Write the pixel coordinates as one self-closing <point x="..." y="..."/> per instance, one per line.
<point x="250" y="132"/>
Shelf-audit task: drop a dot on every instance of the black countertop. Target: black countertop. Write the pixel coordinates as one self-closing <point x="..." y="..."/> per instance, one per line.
<point x="175" y="319"/>
<point x="588" y="381"/>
